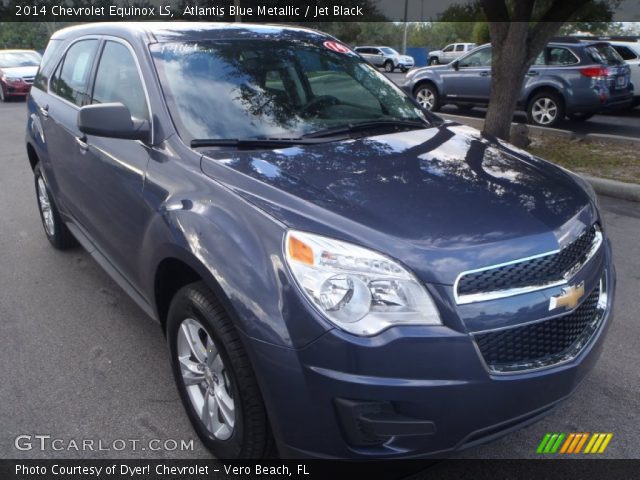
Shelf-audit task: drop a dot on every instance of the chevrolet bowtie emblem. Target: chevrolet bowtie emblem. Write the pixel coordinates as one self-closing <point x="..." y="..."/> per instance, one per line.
<point x="569" y="298"/>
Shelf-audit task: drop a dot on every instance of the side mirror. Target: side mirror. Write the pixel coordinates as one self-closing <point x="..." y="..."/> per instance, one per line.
<point x="456" y="65"/>
<point x="112" y="120"/>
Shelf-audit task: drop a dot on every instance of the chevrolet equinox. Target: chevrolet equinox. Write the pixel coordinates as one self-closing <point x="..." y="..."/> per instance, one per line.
<point x="338" y="272"/>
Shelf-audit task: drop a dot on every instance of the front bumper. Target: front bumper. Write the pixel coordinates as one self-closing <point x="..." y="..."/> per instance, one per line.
<point x="16" y="89"/>
<point x="408" y="392"/>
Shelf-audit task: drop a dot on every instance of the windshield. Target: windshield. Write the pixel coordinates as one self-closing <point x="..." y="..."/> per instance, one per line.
<point x="19" y="59"/>
<point x="242" y="89"/>
<point x="604" y="54"/>
<point x="389" y="51"/>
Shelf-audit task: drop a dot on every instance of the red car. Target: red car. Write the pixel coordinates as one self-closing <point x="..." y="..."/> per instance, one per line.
<point x="18" y="68"/>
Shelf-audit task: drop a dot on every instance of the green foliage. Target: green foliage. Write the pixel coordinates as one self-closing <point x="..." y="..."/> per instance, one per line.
<point x="29" y="35"/>
<point x="481" y="33"/>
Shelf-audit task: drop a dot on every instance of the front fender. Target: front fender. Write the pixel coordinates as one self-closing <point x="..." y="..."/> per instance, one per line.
<point x="237" y="250"/>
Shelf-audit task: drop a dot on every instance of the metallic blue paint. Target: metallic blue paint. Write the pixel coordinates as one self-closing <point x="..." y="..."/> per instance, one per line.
<point x="440" y="200"/>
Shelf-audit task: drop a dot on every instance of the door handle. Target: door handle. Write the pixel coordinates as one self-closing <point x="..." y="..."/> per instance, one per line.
<point x="532" y="73"/>
<point x="485" y="74"/>
<point x="82" y="143"/>
<point x="44" y="111"/>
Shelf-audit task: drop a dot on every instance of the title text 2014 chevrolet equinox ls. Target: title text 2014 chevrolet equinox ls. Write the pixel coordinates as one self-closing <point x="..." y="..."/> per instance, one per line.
<point x="338" y="272"/>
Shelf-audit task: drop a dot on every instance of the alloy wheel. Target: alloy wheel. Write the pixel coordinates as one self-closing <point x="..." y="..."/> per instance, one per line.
<point x="45" y="208"/>
<point x="206" y="379"/>
<point x="425" y="98"/>
<point x="544" y="111"/>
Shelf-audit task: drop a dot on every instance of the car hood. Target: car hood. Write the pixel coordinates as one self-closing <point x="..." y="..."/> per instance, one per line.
<point x="19" y="71"/>
<point x="442" y="200"/>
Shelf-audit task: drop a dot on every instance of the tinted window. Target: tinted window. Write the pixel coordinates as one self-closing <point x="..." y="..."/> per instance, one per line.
<point x="118" y="80"/>
<point x="284" y="89"/>
<point x="625" y="52"/>
<point x="459" y="48"/>
<point x="448" y="48"/>
<point x="604" y="54"/>
<point x="71" y="78"/>
<point x="481" y="58"/>
<point x="560" y="56"/>
<point x="46" y="65"/>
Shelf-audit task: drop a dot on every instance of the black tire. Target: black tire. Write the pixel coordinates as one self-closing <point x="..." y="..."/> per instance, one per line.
<point x="434" y="61"/>
<point x="251" y="436"/>
<point x="425" y="93"/>
<point x="388" y="66"/>
<point x="3" y="97"/>
<point x="56" y="231"/>
<point x="580" y="116"/>
<point x="549" y="98"/>
<point x="404" y="69"/>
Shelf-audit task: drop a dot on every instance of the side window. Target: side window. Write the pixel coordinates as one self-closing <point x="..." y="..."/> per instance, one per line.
<point x="71" y="78"/>
<point x="118" y="80"/>
<point x="460" y="48"/>
<point x="625" y="52"/>
<point x="481" y="58"/>
<point x="560" y="56"/>
<point x="46" y="65"/>
<point x="448" y="48"/>
<point x="540" y="59"/>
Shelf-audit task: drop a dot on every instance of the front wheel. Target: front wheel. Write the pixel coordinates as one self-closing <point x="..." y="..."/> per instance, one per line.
<point x="427" y="96"/>
<point x="214" y="377"/>
<point x="388" y="66"/>
<point x="545" y="109"/>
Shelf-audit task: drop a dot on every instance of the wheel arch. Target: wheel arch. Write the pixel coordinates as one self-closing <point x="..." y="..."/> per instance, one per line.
<point x="545" y="88"/>
<point x="32" y="155"/>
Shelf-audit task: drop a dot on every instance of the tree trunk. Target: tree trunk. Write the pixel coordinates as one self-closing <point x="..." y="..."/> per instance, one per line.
<point x="508" y="67"/>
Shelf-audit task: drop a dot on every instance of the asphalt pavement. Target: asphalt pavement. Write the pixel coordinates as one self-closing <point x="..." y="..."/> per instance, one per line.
<point x="625" y="123"/>
<point x="80" y="361"/>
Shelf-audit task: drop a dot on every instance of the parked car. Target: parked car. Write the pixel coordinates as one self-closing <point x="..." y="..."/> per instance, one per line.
<point x="17" y="70"/>
<point x="449" y="53"/>
<point x="337" y="272"/>
<point x="630" y="53"/>
<point x="386" y="57"/>
<point x="575" y="79"/>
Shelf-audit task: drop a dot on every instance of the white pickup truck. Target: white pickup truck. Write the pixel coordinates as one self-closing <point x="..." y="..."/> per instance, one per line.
<point x="449" y="53"/>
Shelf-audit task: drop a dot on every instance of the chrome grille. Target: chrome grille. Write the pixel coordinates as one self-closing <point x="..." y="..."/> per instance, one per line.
<point x="541" y="271"/>
<point x="543" y="343"/>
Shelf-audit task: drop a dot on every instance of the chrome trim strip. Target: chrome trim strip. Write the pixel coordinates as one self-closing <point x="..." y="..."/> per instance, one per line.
<point x="571" y="354"/>
<point x="494" y="295"/>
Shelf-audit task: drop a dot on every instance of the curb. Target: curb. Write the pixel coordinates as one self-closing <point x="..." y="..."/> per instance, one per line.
<point x="613" y="188"/>
<point x="546" y="131"/>
<point x="602" y="186"/>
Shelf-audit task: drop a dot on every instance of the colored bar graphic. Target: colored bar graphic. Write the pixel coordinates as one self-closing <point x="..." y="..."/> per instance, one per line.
<point x="572" y="443"/>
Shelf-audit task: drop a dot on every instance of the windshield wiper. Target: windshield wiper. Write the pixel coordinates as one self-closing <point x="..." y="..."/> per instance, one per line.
<point x="247" y="143"/>
<point x="367" y="126"/>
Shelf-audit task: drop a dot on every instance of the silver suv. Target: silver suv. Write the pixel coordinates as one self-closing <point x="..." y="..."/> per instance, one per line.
<point x="386" y="57"/>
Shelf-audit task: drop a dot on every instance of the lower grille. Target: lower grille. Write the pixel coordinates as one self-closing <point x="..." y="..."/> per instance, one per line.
<point x="544" y="343"/>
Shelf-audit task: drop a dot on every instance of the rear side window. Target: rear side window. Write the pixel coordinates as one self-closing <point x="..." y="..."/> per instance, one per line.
<point x="459" y="48"/>
<point x="560" y="56"/>
<point x="625" y="52"/>
<point x="71" y="78"/>
<point x="47" y="64"/>
<point x="604" y="54"/>
<point x="118" y="80"/>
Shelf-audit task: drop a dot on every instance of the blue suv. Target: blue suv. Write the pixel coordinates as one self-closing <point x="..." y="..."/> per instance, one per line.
<point x="338" y="273"/>
<point x="570" y="78"/>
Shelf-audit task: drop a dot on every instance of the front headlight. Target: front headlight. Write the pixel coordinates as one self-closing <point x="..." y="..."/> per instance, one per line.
<point x="358" y="290"/>
<point x="11" y="79"/>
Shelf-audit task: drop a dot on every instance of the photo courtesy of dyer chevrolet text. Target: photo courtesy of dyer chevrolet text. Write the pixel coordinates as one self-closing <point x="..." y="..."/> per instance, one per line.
<point x="161" y="470"/>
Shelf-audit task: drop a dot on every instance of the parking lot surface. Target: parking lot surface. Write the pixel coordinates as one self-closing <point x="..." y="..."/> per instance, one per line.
<point x="626" y="123"/>
<point x="78" y="359"/>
